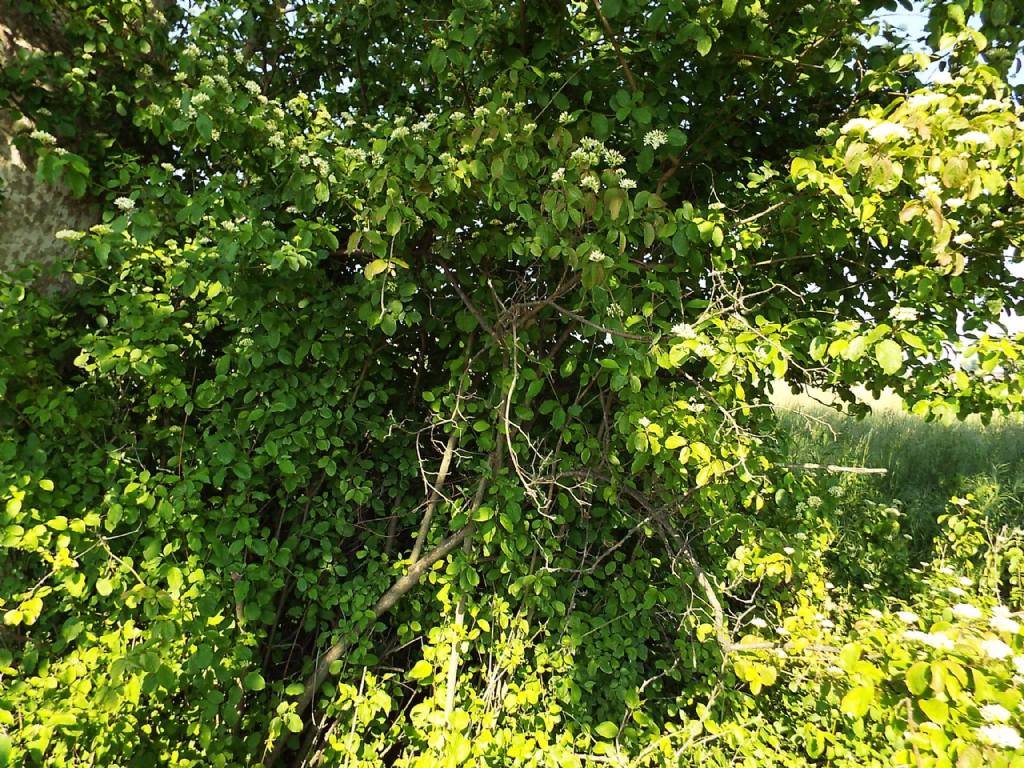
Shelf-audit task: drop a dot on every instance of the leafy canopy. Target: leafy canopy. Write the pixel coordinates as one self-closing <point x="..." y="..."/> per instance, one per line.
<point x="407" y="404"/>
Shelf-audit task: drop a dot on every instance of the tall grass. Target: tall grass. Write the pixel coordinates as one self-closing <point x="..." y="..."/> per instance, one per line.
<point x="927" y="462"/>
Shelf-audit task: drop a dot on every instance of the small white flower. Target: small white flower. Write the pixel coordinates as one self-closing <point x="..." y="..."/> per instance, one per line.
<point x="684" y="331"/>
<point x="942" y="78"/>
<point x="966" y="611"/>
<point x="938" y="640"/>
<point x="827" y="624"/>
<point x="43" y="137"/>
<point x="761" y="624"/>
<point x="613" y="157"/>
<point x="591" y="182"/>
<point x="563" y="118"/>
<point x="908" y="617"/>
<point x="644" y="422"/>
<point x="252" y="87"/>
<point x="558" y="176"/>
<point x="789" y="550"/>
<point x="781" y="631"/>
<point x="655" y="139"/>
<point x="965" y="581"/>
<point x="904" y="314"/>
<point x="69" y="235"/>
<point x="834" y="670"/>
<point x="990" y="105"/>
<point x="887" y="131"/>
<point x="858" y="125"/>
<point x="995" y="649"/>
<point x="995" y="713"/>
<point x="1004" y="624"/>
<point x="126" y="204"/>
<point x="596" y="255"/>
<point x="955" y="202"/>
<point x="927" y="181"/>
<point x="919" y="100"/>
<point x="1004" y="736"/>
<point x="627" y="183"/>
<point x="955" y="591"/>
<point x="974" y="137"/>
<point x="1018" y="664"/>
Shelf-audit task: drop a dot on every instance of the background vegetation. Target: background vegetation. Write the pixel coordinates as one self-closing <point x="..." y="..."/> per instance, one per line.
<point x="399" y="393"/>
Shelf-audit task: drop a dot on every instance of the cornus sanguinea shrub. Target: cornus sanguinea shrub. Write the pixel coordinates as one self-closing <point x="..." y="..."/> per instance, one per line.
<point x="405" y="403"/>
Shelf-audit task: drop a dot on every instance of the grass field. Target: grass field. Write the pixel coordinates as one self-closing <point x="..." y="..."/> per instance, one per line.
<point x="927" y="462"/>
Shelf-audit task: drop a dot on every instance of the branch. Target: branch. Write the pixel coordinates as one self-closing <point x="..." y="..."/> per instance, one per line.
<point x="385" y="604"/>
<point x="611" y="331"/>
<point x="837" y="468"/>
<point x="615" y="44"/>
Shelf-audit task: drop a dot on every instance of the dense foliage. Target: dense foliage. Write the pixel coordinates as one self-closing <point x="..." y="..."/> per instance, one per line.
<point x="407" y="403"/>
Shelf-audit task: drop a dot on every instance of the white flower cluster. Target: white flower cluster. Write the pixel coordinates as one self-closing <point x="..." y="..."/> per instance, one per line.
<point x="994" y="713"/>
<point x="597" y="255"/>
<point x="990" y="105"/>
<point x="880" y="133"/>
<point x="43" y="137"/>
<point x="903" y="314"/>
<point x="558" y="176"/>
<point x="655" y="139"/>
<point x="966" y="611"/>
<point x="908" y="617"/>
<point x="922" y="100"/>
<point x="975" y="138"/>
<point x="684" y="331"/>
<point x="591" y="182"/>
<point x="930" y="185"/>
<point x="126" y="204"/>
<point x="939" y="640"/>
<point x="1005" y="736"/>
<point x="888" y="131"/>
<point x="69" y="235"/>
<point x="995" y="648"/>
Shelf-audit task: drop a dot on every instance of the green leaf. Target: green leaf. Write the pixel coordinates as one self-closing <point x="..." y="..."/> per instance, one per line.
<point x="917" y="678"/>
<point x="937" y="711"/>
<point x="374" y="268"/>
<point x="204" y="126"/>
<point x="174" y="579"/>
<point x="421" y="670"/>
<point x="293" y="722"/>
<point x="857" y="700"/>
<point x="104" y="587"/>
<point x="889" y="355"/>
<point x="254" y="681"/>
<point x="728" y="8"/>
<point x="5" y="750"/>
<point x="607" y="729"/>
<point x="393" y="221"/>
